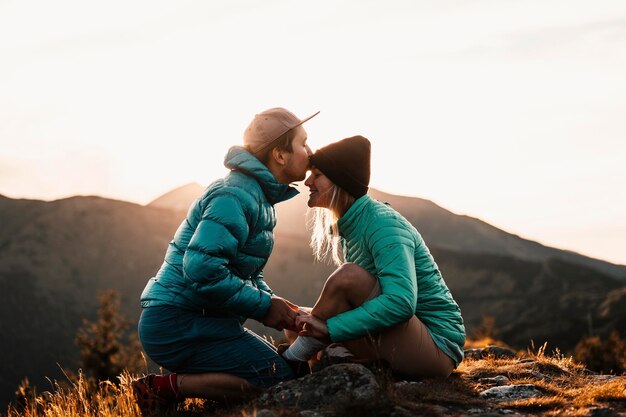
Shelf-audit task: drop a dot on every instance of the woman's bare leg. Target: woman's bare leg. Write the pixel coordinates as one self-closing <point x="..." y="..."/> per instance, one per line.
<point x="407" y="346"/>
<point x="345" y="289"/>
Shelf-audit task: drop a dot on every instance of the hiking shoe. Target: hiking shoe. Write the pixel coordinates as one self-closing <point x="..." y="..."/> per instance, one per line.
<point x="149" y="402"/>
<point x="333" y="354"/>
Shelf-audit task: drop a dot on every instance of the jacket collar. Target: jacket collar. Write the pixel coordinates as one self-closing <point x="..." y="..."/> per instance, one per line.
<point x="348" y="223"/>
<point x="239" y="159"/>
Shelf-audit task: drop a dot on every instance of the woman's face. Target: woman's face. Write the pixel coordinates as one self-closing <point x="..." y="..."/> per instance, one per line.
<point x="320" y="189"/>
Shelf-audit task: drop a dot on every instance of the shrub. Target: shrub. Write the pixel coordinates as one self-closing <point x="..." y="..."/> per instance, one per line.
<point x="606" y="356"/>
<point x="106" y="348"/>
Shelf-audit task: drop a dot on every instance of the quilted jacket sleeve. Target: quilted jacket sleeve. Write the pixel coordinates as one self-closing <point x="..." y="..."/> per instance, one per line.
<point x="222" y="230"/>
<point x="393" y="250"/>
<point x="262" y="285"/>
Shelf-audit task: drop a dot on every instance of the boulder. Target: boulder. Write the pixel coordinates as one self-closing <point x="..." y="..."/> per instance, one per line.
<point x="265" y="413"/>
<point x="496" y="380"/>
<point x="337" y="384"/>
<point x="511" y="392"/>
<point x="496" y="352"/>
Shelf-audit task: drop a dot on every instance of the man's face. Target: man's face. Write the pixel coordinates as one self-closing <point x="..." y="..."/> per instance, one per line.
<point x="298" y="160"/>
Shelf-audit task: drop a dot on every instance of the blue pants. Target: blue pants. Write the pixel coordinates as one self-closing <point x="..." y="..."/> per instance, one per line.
<point x="186" y="342"/>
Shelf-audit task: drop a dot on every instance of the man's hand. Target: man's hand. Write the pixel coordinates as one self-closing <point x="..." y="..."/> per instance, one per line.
<point x="281" y="315"/>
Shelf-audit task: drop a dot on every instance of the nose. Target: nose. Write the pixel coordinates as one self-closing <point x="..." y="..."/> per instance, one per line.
<point x="308" y="150"/>
<point x="309" y="180"/>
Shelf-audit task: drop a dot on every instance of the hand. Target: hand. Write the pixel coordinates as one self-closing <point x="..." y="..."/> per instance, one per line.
<point x="281" y="315"/>
<point x="314" y="327"/>
<point x="304" y="310"/>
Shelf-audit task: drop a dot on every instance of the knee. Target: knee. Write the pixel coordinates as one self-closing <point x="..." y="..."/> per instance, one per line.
<point x="347" y="277"/>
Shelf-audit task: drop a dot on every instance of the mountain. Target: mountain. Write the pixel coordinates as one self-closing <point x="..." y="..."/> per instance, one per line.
<point x="179" y="198"/>
<point x="55" y="257"/>
<point x="531" y="291"/>
<point x="439" y="227"/>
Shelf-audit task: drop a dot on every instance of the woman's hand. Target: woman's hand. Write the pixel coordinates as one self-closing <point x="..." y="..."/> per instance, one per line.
<point x="312" y="326"/>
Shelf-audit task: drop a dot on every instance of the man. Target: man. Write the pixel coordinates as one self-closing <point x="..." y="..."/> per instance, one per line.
<point x="212" y="277"/>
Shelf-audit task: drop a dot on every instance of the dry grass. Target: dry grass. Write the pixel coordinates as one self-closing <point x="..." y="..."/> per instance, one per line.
<point x="568" y="389"/>
<point x="567" y="386"/>
<point x="81" y="399"/>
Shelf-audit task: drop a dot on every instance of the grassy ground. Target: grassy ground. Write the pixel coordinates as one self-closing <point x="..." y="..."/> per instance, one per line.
<point x="568" y="389"/>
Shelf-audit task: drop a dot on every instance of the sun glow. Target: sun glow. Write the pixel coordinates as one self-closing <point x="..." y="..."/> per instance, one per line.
<point x="505" y="111"/>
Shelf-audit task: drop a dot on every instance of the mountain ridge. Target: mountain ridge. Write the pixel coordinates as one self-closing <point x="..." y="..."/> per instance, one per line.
<point x="462" y="232"/>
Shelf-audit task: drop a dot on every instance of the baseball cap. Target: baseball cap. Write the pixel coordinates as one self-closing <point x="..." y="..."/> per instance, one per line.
<point x="268" y="126"/>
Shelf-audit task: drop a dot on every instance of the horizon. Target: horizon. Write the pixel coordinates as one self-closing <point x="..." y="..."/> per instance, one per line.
<point x="508" y="112"/>
<point x="504" y="229"/>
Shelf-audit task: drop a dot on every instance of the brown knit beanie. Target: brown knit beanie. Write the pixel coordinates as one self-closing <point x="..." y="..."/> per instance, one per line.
<point x="346" y="163"/>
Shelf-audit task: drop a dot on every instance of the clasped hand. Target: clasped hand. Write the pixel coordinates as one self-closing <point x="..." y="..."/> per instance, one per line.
<point x="281" y="315"/>
<point x="310" y="325"/>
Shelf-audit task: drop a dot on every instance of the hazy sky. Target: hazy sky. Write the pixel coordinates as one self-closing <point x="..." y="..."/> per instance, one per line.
<point x="512" y="112"/>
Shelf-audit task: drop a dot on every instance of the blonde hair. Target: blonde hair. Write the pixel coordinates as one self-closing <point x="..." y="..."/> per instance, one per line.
<point x="325" y="237"/>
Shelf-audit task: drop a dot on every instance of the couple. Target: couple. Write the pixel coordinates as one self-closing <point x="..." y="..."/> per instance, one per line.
<point x="387" y="299"/>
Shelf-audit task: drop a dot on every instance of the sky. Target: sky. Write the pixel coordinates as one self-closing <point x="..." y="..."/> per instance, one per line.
<point x="512" y="112"/>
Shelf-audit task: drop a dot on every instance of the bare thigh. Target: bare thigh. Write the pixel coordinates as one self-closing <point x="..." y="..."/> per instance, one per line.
<point x="408" y="347"/>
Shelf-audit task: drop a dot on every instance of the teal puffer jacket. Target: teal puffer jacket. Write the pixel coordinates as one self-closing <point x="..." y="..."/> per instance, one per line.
<point x="215" y="262"/>
<point x="379" y="239"/>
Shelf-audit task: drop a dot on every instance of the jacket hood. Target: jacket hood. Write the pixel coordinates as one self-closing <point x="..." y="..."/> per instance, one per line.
<point x="239" y="159"/>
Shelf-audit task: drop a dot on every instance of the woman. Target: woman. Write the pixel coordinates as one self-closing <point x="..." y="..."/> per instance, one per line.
<point x="388" y="299"/>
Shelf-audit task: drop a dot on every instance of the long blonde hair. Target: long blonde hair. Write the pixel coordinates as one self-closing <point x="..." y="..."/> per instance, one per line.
<point x="323" y="225"/>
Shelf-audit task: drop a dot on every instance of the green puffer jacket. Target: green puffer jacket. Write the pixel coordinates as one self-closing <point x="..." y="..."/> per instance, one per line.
<point x="379" y="239"/>
<point x="215" y="262"/>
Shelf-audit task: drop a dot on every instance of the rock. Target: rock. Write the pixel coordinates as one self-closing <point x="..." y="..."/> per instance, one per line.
<point x="439" y="409"/>
<point x="543" y="370"/>
<point x="310" y="413"/>
<point x="539" y="375"/>
<point x="511" y="392"/>
<point x="490" y="413"/>
<point x="602" y="412"/>
<point x="496" y="352"/>
<point x="473" y="354"/>
<point x="605" y="377"/>
<point x="496" y="380"/>
<point x="404" y="384"/>
<point x="336" y="384"/>
<point x="400" y="412"/>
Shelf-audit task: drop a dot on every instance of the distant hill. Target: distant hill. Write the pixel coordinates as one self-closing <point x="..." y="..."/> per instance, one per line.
<point x="439" y="227"/>
<point x="56" y="256"/>
<point x="179" y="198"/>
